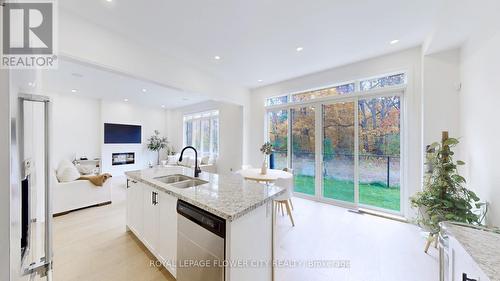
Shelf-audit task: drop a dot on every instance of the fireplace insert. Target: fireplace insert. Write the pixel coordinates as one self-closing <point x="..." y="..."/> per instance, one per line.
<point x="126" y="158"/>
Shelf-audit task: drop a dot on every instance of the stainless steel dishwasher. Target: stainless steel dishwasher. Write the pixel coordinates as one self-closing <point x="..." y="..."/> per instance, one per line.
<point x="200" y="244"/>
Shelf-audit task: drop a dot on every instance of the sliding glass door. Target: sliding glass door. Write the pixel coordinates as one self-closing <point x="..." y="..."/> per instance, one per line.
<point x="379" y="152"/>
<point x="343" y="141"/>
<point x="354" y="143"/>
<point x="303" y="132"/>
<point x="338" y="151"/>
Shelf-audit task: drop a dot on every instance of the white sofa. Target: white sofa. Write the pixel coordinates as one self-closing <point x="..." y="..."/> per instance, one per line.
<point x="188" y="161"/>
<point x="71" y="196"/>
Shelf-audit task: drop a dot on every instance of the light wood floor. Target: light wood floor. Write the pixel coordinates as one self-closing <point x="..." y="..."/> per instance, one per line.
<point x="377" y="249"/>
<point x="93" y="245"/>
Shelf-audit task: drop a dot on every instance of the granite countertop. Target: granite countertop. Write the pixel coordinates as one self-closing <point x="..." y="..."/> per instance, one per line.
<point x="482" y="245"/>
<point x="227" y="196"/>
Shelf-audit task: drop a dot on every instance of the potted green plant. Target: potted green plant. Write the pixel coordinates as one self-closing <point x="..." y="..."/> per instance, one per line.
<point x="444" y="197"/>
<point x="156" y="143"/>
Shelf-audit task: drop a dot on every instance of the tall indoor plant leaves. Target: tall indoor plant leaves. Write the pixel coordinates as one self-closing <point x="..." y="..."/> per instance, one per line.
<point x="445" y="197"/>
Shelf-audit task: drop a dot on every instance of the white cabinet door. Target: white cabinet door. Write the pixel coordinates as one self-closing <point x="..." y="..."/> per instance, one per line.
<point x="464" y="268"/>
<point x="151" y="218"/>
<point x="168" y="231"/>
<point x="134" y="206"/>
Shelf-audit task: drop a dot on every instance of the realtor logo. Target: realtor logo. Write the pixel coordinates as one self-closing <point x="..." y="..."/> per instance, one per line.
<point x="28" y="35"/>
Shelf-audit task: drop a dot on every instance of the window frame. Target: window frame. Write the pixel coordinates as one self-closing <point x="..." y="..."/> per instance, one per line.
<point x="358" y="94"/>
<point x="357" y="90"/>
<point x="200" y="117"/>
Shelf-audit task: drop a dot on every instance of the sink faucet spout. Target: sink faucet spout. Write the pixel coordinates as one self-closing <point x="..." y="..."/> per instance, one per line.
<point x="197" y="169"/>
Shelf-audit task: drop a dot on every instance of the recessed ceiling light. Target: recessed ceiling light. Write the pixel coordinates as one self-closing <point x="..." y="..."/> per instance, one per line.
<point x="109" y="1"/>
<point x="31" y="84"/>
<point x="162" y="106"/>
<point x="144" y="90"/>
<point x="260" y="80"/>
<point x="74" y="90"/>
<point x="217" y="57"/>
<point x="125" y="100"/>
<point x="299" y="49"/>
<point x="394" y="42"/>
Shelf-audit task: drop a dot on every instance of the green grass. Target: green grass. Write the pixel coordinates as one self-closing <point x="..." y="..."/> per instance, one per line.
<point x="372" y="194"/>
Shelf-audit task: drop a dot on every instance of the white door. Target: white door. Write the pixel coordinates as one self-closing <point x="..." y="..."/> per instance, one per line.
<point x="168" y="231"/>
<point x="135" y="207"/>
<point x="151" y="218"/>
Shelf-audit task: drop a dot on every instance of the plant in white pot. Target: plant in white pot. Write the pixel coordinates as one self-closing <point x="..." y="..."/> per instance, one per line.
<point x="156" y="143"/>
<point x="266" y="149"/>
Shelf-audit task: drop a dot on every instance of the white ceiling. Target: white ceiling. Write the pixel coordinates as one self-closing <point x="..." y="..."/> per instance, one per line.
<point x="92" y="82"/>
<point x="460" y="21"/>
<point x="257" y="39"/>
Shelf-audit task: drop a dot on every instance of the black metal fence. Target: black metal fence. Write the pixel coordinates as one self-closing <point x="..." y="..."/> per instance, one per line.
<point x="387" y="160"/>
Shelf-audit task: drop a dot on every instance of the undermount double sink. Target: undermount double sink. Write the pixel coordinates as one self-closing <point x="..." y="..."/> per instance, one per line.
<point x="180" y="181"/>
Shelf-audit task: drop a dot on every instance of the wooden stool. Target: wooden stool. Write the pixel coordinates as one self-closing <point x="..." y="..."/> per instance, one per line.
<point x="433" y="237"/>
<point x="280" y="205"/>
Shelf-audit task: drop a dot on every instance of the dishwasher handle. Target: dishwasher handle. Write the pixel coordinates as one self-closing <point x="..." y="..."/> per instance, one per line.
<point x="203" y="218"/>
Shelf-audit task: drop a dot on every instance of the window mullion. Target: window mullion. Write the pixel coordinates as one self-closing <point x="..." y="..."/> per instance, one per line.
<point x="356" y="153"/>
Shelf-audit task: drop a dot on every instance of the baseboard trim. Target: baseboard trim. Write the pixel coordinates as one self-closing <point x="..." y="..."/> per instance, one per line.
<point x="74" y="210"/>
<point x="382" y="215"/>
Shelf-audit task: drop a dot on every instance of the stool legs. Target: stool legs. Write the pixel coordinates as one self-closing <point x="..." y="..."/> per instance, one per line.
<point x="284" y="204"/>
<point x="430" y="239"/>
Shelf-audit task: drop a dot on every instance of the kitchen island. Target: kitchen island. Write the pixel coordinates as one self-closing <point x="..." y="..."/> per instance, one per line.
<point x="245" y="207"/>
<point x="469" y="252"/>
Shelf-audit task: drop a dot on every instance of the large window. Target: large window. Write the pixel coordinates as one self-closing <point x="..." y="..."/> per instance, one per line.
<point x="327" y="92"/>
<point x="201" y="130"/>
<point x="277" y="126"/>
<point x="343" y="142"/>
<point x="346" y="88"/>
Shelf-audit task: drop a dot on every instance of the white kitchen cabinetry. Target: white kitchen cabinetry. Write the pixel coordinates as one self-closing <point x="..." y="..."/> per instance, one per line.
<point x="152" y="217"/>
<point x="463" y="267"/>
<point x="134" y="206"/>
<point x="168" y="231"/>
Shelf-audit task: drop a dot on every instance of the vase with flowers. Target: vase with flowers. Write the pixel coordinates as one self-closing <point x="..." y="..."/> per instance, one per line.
<point x="266" y="149"/>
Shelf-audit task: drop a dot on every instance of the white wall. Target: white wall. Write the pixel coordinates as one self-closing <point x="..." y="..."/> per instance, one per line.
<point x="441" y="79"/>
<point x="230" y="131"/>
<point x="408" y="60"/>
<point x="150" y="119"/>
<point x="78" y="130"/>
<point x="479" y="102"/>
<point x="76" y="127"/>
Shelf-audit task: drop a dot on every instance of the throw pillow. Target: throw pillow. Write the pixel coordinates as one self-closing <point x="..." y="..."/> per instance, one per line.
<point x="85" y="169"/>
<point x="67" y="172"/>
<point x="204" y="160"/>
<point x="172" y="159"/>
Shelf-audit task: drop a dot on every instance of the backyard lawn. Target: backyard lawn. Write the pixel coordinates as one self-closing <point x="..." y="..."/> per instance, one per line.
<point x="371" y="194"/>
